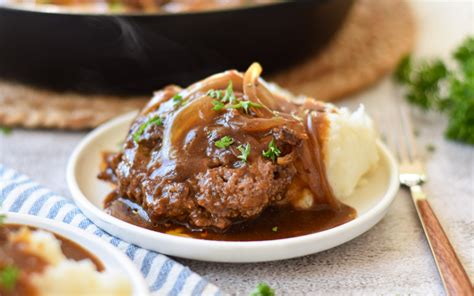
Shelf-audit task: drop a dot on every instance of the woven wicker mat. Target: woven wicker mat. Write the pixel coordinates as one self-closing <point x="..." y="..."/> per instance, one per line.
<point x="374" y="37"/>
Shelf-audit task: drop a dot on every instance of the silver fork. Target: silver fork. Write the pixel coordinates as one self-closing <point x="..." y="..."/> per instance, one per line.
<point x="399" y="136"/>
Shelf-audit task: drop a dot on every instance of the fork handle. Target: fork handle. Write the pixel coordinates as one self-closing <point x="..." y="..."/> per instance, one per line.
<point x="455" y="279"/>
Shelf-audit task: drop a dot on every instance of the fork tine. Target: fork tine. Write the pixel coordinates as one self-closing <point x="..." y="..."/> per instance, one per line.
<point x="388" y="130"/>
<point x="409" y="133"/>
<point x="402" y="140"/>
<point x="397" y="131"/>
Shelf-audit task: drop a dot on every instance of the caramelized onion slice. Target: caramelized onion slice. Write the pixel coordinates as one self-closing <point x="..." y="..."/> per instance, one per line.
<point x="262" y="124"/>
<point x="266" y="124"/>
<point x="287" y="159"/>
<point x="250" y="85"/>
<point x="256" y="90"/>
<point x="196" y="113"/>
<point x="217" y="81"/>
<point x="251" y="80"/>
<point x="311" y="166"/>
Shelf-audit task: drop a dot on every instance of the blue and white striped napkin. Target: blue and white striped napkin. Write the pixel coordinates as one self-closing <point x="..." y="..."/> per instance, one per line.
<point x="163" y="275"/>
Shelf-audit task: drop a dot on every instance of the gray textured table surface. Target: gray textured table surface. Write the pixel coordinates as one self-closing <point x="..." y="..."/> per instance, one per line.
<point x="393" y="257"/>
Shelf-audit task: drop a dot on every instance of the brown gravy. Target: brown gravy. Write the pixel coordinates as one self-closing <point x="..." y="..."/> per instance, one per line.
<point x="273" y="223"/>
<point x="28" y="263"/>
<point x="171" y="178"/>
<point x="70" y="249"/>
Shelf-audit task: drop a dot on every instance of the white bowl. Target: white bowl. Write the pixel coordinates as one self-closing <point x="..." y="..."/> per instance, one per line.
<point x="371" y="201"/>
<point x="111" y="258"/>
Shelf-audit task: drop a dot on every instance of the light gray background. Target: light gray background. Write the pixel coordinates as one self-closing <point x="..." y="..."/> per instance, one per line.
<point x="393" y="257"/>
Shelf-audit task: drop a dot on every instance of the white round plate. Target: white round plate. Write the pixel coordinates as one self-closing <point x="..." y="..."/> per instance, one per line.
<point x="371" y="200"/>
<point x="111" y="258"/>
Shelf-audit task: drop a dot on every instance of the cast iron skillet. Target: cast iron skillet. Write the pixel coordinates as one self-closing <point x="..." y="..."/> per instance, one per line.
<point x="137" y="53"/>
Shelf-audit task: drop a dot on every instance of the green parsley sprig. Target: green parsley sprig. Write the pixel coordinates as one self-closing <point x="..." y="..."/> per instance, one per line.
<point x="273" y="152"/>
<point x="178" y="100"/>
<point x="5" y="130"/>
<point x="431" y="85"/>
<point x="245" y="105"/>
<point x="215" y="94"/>
<point x="9" y="276"/>
<point x="154" y="120"/>
<point x="430" y="148"/>
<point x="228" y="100"/>
<point x="224" y="142"/>
<point x="229" y="96"/>
<point x="218" y="105"/>
<point x="245" y="152"/>
<point x="262" y="289"/>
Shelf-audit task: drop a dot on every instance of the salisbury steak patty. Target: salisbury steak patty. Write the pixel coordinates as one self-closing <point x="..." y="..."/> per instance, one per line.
<point x="219" y="196"/>
<point x="239" y="193"/>
<point x="203" y="186"/>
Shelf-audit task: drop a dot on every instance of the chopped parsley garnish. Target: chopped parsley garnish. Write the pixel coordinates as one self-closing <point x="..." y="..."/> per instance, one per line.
<point x="262" y="289"/>
<point x="9" y="276"/>
<point x="416" y="132"/>
<point x="430" y="148"/>
<point x="224" y="142"/>
<point x="229" y="95"/>
<point x="245" y="151"/>
<point x="215" y="94"/>
<point x="273" y="152"/>
<point x="275" y="229"/>
<point x="433" y="85"/>
<point x="154" y="120"/>
<point x="178" y="100"/>
<point x="245" y="105"/>
<point x="218" y="105"/>
<point x="5" y="130"/>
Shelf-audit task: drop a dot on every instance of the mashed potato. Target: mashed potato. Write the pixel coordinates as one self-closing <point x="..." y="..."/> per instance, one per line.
<point x="63" y="276"/>
<point x="79" y="278"/>
<point x="40" y="243"/>
<point x="350" y="149"/>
